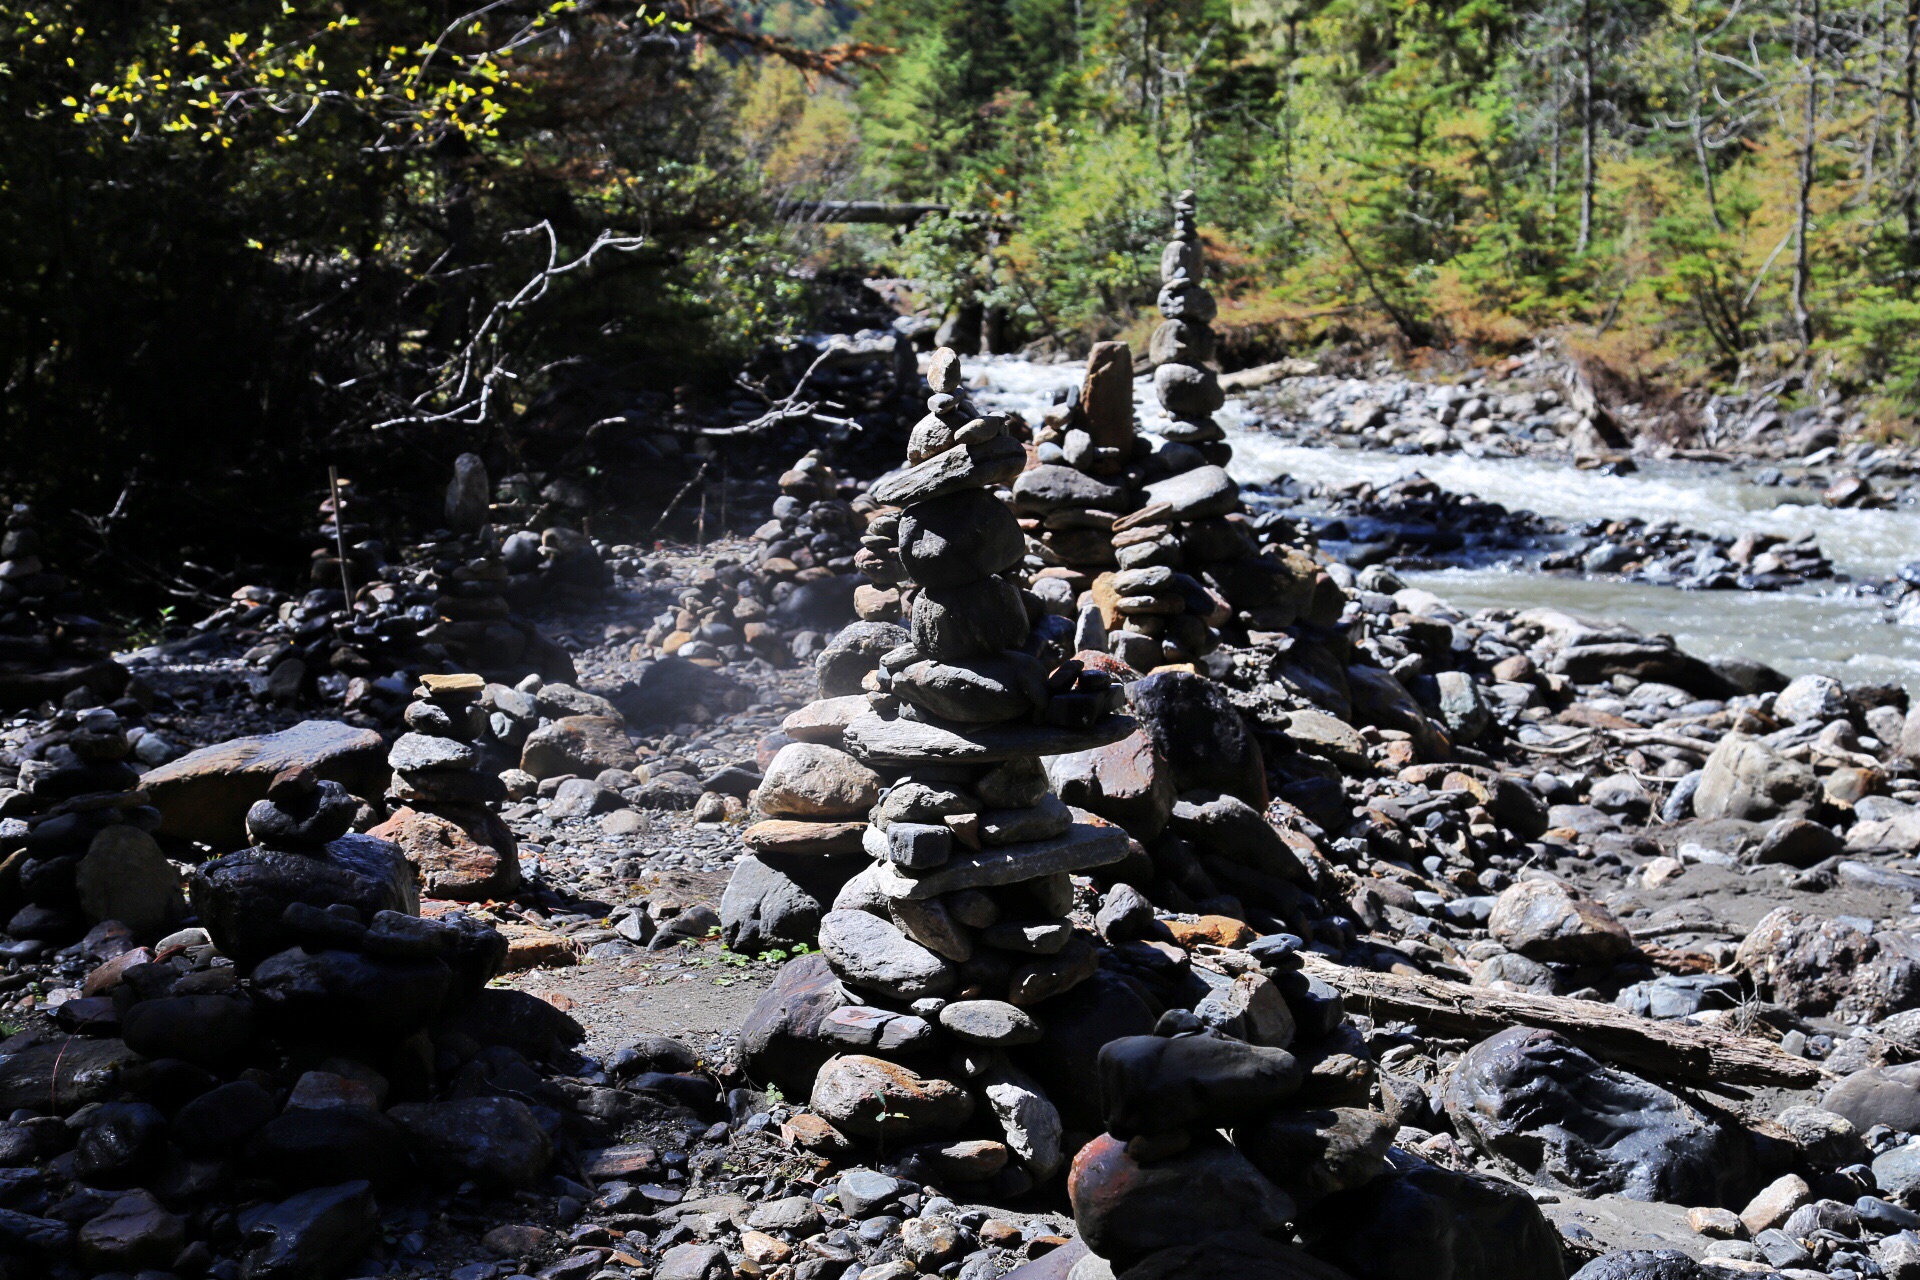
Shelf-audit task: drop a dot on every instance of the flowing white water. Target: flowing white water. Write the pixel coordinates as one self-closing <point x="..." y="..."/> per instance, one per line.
<point x="1797" y="632"/>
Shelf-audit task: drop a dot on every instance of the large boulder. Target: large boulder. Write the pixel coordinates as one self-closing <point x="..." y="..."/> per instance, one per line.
<point x="348" y="996"/>
<point x="1127" y="782"/>
<point x="1152" y="1084"/>
<point x="876" y="955"/>
<point x="126" y="877"/>
<point x="1549" y="921"/>
<point x="851" y="654"/>
<point x="1529" y="1098"/>
<point x="205" y="794"/>
<point x="318" y="1233"/>
<point x="1745" y="778"/>
<point x="780" y="1041"/>
<point x="1819" y="965"/>
<point x="580" y="745"/>
<point x="775" y="901"/>
<point x="873" y="1098"/>
<point x="1879" y="1095"/>
<point x="1073" y="1027"/>
<point x="672" y="689"/>
<point x="497" y="1142"/>
<point x="240" y="898"/>
<point x="813" y="781"/>
<point x="1200" y="734"/>
<point x="1430" y="1223"/>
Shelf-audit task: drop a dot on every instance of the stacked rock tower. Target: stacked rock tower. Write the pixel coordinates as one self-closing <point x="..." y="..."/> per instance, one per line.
<point x="1182" y="347"/>
<point x="958" y="927"/>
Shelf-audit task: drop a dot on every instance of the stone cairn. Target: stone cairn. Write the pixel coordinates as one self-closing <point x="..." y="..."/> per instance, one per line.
<point x="1143" y="539"/>
<point x="77" y="841"/>
<point x="48" y="649"/>
<point x="958" y="926"/>
<point x="1265" y="1056"/>
<point x="443" y="794"/>
<point x="446" y="603"/>
<point x="799" y="580"/>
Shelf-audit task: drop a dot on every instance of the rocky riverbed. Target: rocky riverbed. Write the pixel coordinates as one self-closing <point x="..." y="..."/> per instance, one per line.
<point x="1156" y="875"/>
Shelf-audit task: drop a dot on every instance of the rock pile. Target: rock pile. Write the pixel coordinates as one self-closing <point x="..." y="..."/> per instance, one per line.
<point x="801" y="583"/>
<point x="447" y="603"/>
<point x="78" y="844"/>
<point x="956" y="933"/>
<point x="48" y="648"/>
<point x="1143" y="538"/>
<point x="312" y="1050"/>
<point x="442" y="792"/>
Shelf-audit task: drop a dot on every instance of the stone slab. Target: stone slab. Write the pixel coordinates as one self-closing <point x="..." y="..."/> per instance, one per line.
<point x="205" y="794"/>
<point x="907" y="742"/>
<point x="1082" y="847"/>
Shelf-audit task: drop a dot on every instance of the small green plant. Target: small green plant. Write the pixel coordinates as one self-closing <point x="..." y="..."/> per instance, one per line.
<point x="147" y="631"/>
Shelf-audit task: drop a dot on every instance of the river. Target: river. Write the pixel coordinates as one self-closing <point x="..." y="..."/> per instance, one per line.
<point x="1807" y="630"/>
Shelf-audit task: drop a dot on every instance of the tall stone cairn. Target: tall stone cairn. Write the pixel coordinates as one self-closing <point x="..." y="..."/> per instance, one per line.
<point x="958" y="926"/>
<point x="1182" y="347"/>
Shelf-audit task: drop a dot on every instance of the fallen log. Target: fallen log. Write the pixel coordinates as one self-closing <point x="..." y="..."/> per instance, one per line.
<point x="1675" y="1050"/>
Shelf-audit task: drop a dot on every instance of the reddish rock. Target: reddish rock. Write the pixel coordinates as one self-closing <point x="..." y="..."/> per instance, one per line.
<point x="1125" y="782"/>
<point x="872" y="1098"/>
<point x="470" y="860"/>
<point x="1126" y="1210"/>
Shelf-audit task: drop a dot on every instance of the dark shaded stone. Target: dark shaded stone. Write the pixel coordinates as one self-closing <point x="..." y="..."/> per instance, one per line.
<point x="494" y="1141"/>
<point x="1530" y="1098"/>
<point x="780" y="1039"/>
<point x="1232" y="1256"/>
<point x="1126" y="1210"/>
<point x="1200" y="734"/>
<point x="122" y="1144"/>
<point x="1312" y="1154"/>
<point x="209" y="1030"/>
<point x="1435" y="1224"/>
<point x="240" y="898"/>
<point x="1151" y="1084"/>
<point x="348" y="996"/>
<point x="518" y="1020"/>
<point x="1645" y="1264"/>
<point x="315" y="1235"/>
<point x="960" y="538"/>
<point x="665" y="690"/>
<point x="219" y="1120"/>
<point x="319" y="1146"/>
<point x="1074" y="1027"/>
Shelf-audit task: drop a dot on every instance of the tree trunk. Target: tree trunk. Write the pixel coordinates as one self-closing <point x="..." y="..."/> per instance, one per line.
<point x="1586" y="125"/>
<point x="1803" y="213"/>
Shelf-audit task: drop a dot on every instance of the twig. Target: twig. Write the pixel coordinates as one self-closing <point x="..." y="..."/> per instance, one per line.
<point x="340" y="535"/>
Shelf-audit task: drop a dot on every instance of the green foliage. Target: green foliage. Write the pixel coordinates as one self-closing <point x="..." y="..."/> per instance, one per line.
<point x="238" y="236"/>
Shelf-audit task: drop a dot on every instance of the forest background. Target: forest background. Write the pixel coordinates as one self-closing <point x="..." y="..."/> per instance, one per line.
<point x="239" y="236"/>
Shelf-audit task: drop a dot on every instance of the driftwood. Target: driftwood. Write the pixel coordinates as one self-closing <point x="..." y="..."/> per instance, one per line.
<point x="1675" y="1050"/>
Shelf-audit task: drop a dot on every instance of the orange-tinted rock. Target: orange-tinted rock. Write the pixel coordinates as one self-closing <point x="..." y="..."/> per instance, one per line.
<point x="471" y="858"/>
<point x="1214" y="931"/>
